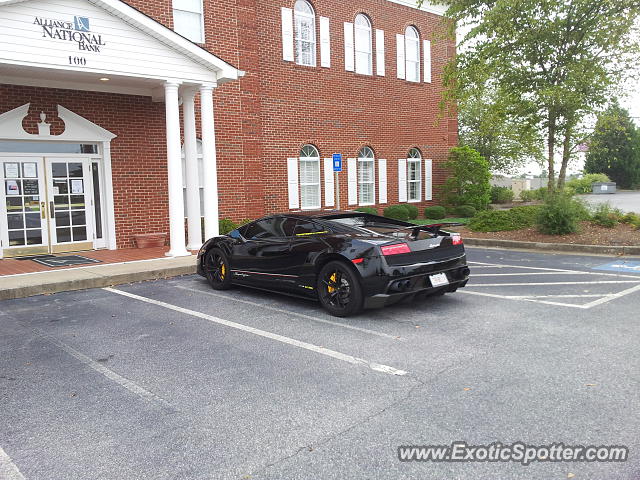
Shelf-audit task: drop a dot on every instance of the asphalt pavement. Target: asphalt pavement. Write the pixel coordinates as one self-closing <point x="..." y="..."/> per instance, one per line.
<point x="168" y="379"/>
<point x="627" y="201"/>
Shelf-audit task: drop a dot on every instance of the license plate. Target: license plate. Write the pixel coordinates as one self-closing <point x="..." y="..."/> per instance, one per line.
<point x="439" y="279"/>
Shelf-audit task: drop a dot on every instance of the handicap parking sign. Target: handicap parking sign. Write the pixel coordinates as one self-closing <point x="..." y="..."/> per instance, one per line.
<point x="337" y="162"/>
<point x="620" y="266"/>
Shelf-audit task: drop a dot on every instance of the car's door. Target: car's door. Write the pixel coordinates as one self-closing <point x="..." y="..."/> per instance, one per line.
<point x="306" y="245"/>
<point x="261" y="257"/>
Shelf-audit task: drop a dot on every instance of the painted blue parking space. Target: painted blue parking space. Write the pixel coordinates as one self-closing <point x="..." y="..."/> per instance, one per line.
<point x="620" y="266"/>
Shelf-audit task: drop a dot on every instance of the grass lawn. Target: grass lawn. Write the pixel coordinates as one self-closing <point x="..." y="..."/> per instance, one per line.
<point x="427" y="221"/>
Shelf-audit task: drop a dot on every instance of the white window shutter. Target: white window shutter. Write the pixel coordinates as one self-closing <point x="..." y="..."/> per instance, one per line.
<point x="292" y="175"/>
<point x="380" y="61"/>
<point x="287" y="34"/>
<point x="349" y="52"/>
<point x="428" y="180"/>
<point x="402" y="180"/>
<point x="427" y="61"/>
<point x="325" y="43"/>
<point x="352" y="176"/>
<point x="329" y="183"/>
<point x="400" y="58"/>
<point x="382" y="181"/>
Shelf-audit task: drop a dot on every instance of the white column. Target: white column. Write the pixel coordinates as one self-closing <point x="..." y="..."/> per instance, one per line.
<point x="174" y="168"/>
<point x="194" y="228"/>
<point x="209" y="159"/>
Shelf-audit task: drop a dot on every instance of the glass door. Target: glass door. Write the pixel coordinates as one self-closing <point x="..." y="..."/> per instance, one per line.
<point x="23" y="216"/>
<point x="69" y="192"/>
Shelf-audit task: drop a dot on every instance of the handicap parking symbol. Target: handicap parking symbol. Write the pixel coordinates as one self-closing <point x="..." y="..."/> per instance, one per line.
<point x="620" y="266"/>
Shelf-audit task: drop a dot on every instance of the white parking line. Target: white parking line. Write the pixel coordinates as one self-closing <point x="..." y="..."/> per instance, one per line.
<point x="111" y="375"/>
<point x="557" y="270"/>
<point x="288" y="312"/>
<point x="273" y="336"/>
<point x="523" y="274"/>
<point x="474" y="285"/>
<point x="8" y="469"/>
<point x="506" y="297"/>
<point x="613" y="296"/>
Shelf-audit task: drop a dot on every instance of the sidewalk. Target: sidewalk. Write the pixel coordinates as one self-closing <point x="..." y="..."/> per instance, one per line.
<point x="93" y="276"/>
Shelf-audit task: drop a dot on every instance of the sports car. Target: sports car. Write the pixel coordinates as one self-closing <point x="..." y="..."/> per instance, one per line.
<point x="346" y="260"/>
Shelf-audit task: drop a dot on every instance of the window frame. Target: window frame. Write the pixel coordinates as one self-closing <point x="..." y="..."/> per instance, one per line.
<point x="412" y="62"/>
<point x="371" y="163"/>
<point x="415" y="157"/>
<point x="368" y="29"/>
<point x="297" y="41"/>
<point x="203" y="37"/>
<point x="310" y="159"/>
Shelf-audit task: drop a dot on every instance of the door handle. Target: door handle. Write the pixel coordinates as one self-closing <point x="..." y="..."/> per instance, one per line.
<point x="43" y="210"/>
<point x="52" y="212"/>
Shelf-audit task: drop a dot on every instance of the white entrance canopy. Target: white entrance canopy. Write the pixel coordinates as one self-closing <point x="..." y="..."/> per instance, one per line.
<point x="106" y="45"/>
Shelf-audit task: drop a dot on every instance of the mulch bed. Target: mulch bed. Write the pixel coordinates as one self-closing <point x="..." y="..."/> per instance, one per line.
<point x="589" y="234"/>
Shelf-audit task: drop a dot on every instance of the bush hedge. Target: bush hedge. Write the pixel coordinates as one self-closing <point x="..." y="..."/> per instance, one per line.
<point x="583" y="185"/>
<point x="560" y="215"/>
<point x="465" y="211"/>
<point x="501" y="195"/>
<point x="397" y="212"/>
<point x="606" y="216"/>
<point x="435" y="213"/>
<point x="226" y="225"/>
<point x="369" y="210"/>
<point x="504" y="220"/>
<point x="413" y="211"/>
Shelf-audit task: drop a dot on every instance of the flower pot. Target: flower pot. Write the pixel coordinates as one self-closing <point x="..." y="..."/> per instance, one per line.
<point x="150" y="240"/>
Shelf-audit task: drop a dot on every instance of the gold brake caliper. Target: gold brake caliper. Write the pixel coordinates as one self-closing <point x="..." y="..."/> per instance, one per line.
<point x="332" y="278"/>
<point x="223" y="271"/>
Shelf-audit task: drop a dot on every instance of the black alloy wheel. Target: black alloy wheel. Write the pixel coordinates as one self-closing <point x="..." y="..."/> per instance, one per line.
<point x="339" y="289"/>
<point x="216" y="268"/>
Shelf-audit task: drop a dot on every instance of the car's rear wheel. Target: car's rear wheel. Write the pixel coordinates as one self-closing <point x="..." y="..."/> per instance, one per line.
<point x="339" y="289"/>
<point x="216" y="269"/>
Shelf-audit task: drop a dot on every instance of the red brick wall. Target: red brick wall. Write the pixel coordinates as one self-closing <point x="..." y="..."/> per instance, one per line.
<point x="269" y="114"/>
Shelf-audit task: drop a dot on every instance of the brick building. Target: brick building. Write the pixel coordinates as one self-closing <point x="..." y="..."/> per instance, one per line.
<point x="124" y="118"/>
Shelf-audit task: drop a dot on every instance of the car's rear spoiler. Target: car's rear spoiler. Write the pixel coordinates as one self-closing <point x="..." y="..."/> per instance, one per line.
<point x="432" y="227"/>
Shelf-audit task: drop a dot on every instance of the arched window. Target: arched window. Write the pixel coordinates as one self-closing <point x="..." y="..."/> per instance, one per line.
<point x="309" y="178"/>
<point x="363" y="45"/>
<point x="366" y="176"/>
<point x="412" y="55"/>
<point x="305" y="32"/>
<point x="200" y="178"/>
<point x="414" y="175"/>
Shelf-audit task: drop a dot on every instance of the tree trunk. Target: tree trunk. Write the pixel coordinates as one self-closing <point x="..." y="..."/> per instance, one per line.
<point x="566" y="156"/>
<point x="551" y="151"/>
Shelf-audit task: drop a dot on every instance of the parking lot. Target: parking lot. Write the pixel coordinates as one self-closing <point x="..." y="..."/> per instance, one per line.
<point x="170" y="379"/>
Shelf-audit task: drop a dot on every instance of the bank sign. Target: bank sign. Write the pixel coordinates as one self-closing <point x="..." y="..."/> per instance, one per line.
<point x="77" y="31"/>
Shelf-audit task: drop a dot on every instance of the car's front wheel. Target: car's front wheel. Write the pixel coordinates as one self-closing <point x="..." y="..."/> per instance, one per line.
<point x="216" y="269"/>
<point x="339" y="289"/>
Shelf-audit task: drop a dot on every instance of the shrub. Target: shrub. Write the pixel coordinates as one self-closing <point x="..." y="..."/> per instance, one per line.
<point x="465" y="211"/>
<point x="244" y="221"/>
<point x="560" y="215"/>
<point x="413" y="211"/>
<point x="397" y="212"/>
<point x="468" y="182"/>
<point x="501" y="195"/>
<point x="226" y="225"/>
<point x="540" y="193"/>
<point x="630" y="218"/>
<point x="503" y="220"/>
<point x="435" y="213"/>
<point x="606" y="216"/>
<point x="369" y="210"/>
<point x="583" y="185"/>
<point x="527" y="196"/>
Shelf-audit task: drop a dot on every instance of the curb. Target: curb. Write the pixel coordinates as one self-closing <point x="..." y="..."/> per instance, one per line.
<point x="28" y="285"/>
<point x="553" y="247"/>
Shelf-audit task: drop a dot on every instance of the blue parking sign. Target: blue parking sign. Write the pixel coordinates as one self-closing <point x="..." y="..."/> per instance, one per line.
<point x="337" y="162"/>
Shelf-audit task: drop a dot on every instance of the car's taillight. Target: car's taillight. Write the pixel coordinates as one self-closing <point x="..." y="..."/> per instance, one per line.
<point x="457" y="239"/>
<point x="396" y="249"/>
<point x="357" y="260"/>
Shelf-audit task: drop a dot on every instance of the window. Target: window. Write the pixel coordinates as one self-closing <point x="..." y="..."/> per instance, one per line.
<point x="188" y="19"/>
<point x="307" y="227"/>
<point x="274" y="227"/>
<point x="305" y="33"/>
<point x="412" y="54"/>
<point x="310" y="178"/>
<point x="200" y="178"/>
<point x="366" y="176"/>
<point x="363" y="45"/>
<point x="414" y="182"/>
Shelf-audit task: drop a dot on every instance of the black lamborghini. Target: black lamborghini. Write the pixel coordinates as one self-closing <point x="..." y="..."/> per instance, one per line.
<point x="346" y="260"/>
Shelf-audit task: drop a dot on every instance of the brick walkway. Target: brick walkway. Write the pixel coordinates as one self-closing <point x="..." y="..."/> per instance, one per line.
<point x="11" y="266"/>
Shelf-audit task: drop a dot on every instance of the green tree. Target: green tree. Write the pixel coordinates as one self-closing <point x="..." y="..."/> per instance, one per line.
<point x="468" y="182"/>
<point x="615" y="148"/>
<point x="555" y="62"/>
